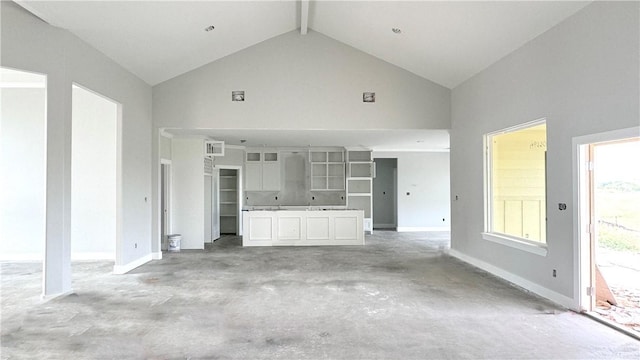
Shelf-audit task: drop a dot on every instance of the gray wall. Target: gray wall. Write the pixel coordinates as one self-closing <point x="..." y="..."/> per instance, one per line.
<point x="296" y="82"/>
<point x="30" y="44"/>
<point x="165" y="148"/>
<point x="301" y="82"/>
<point x="187" y="206"/>
<point x="93" y="176"/>
<point x="425" y="176"/>
<point x="582" y="76"/>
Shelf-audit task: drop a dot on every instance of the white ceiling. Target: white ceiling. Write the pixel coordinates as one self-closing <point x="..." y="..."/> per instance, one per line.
<point x="378" y="140"/>
<point x="445" y="42"/>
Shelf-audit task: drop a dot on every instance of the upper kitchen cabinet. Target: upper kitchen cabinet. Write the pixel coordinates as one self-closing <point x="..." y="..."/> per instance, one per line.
<point x="327" y="170"/>
<point x="262" y="170"/>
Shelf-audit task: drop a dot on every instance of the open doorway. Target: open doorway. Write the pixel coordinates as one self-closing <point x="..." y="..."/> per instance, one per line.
<point x="22" y="165"/>
<point x="229" y="200"/>
<point x="165" y="202"/>
<point x="94" y="125"/>
<point x="385" y="190"/>
<point x="610" y="194"/>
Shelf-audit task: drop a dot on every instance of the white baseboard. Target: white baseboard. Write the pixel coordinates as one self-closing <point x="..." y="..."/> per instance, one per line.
<point x="515" y="279"/>
<point x="417" y="228"/>
<point x="93" y="256"/>
<point x="123" y="269"/>
<point x="156" y="255"/>
<point x="46" y="298"/>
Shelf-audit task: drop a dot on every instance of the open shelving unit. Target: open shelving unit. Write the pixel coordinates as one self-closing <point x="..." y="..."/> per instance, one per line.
<point x="361" y="171"/>
<point x="228" y="201"/>
<point x="327" y="170"/>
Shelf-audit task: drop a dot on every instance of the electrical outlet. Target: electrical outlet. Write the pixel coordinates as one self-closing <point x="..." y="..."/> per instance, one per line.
<point x="555" y="273"/>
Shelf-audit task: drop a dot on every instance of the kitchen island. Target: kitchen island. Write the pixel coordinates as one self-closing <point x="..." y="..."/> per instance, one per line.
<point x="300" y="226"/>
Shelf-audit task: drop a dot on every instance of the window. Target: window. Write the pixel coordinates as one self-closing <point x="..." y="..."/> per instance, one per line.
<point x="516" y="184"/>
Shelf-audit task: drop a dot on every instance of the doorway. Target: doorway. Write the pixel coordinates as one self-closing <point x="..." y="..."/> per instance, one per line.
<point x="385" y="190"/>
<point x="211" y="202"/>
<point x="94" y="125"/>
<point x="610" y="246"/>
<point x="229" y="200"/>
<point x="23" y="150"/>
<point x="165" y="202"/>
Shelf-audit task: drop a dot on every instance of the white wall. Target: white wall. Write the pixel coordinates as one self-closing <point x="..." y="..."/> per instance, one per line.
<point x="22" y="173"/>
<point x="93" y="176"/>
<point x="582" y="75"/>
<point x="30" y="44"/>
<point x="187" y="208"/>
<point x="425" y="176"/>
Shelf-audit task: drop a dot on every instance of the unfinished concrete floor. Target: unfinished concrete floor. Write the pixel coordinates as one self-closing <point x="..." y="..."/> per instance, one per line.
<point x="398" y="297"/>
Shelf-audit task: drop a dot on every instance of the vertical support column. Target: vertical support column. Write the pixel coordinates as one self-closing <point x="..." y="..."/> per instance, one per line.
<point x="57" y="255"/>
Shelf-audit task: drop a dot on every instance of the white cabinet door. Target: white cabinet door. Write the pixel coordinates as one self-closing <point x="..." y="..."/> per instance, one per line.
<point x="253" y="177"/>
<point x="271" y="176"/>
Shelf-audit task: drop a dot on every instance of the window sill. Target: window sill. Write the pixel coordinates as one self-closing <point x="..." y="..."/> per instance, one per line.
<point x="516" y="243"/>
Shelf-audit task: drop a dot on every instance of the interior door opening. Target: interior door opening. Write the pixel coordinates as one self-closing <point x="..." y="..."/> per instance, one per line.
<point x="385" y="203"/>
<point x="611" y="190"/>
<point x="23" y="164"/>
<point x="165" y="204"/>
<point x="211" y="202"/>
<point x="229" y="200"/>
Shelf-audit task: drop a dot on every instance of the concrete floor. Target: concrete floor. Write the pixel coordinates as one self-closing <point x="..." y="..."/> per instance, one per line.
<point x="398" y="297"/>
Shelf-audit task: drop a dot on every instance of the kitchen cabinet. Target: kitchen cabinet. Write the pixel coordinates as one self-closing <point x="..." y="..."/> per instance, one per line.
<point x="327" y="170"/>
<point x="262" y="170"/>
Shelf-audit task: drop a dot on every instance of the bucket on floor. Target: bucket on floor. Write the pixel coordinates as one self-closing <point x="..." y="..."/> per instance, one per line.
<point x="174" y="242"/>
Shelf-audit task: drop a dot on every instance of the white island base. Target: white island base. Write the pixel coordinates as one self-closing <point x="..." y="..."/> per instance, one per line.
<point x="302" y="227"/>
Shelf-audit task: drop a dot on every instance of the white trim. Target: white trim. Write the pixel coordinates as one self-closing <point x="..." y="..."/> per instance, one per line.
<point x="516" y="243"/>
<point x="165" y="134"/>
<point x="422" y="228"/>
<point x="237" y="147"/>
<point x="156" y="255"/>
<point x="581" y="254"/>
<point x="46" y="298"/>
<point x="93" y="256"/>
<point x="515" y="279"/>
<point x="123" y="269"/>
<point x="165" y="161"/>
<point x="487" y="167"/>
<point x="29" y="257"/>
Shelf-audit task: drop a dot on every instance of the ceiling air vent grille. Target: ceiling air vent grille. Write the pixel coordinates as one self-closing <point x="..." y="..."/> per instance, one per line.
<point x="213" y="148"/>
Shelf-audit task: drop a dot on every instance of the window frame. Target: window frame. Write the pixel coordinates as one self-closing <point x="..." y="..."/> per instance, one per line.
<point x="517" y="242"/>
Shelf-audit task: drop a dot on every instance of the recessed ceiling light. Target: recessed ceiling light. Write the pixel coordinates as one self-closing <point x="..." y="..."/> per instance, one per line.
<point x="396" y="30"/>
<point x="209" y="28"/>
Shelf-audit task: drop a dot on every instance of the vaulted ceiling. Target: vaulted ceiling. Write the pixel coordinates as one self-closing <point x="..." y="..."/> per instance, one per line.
<point x="445" y="42"/>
